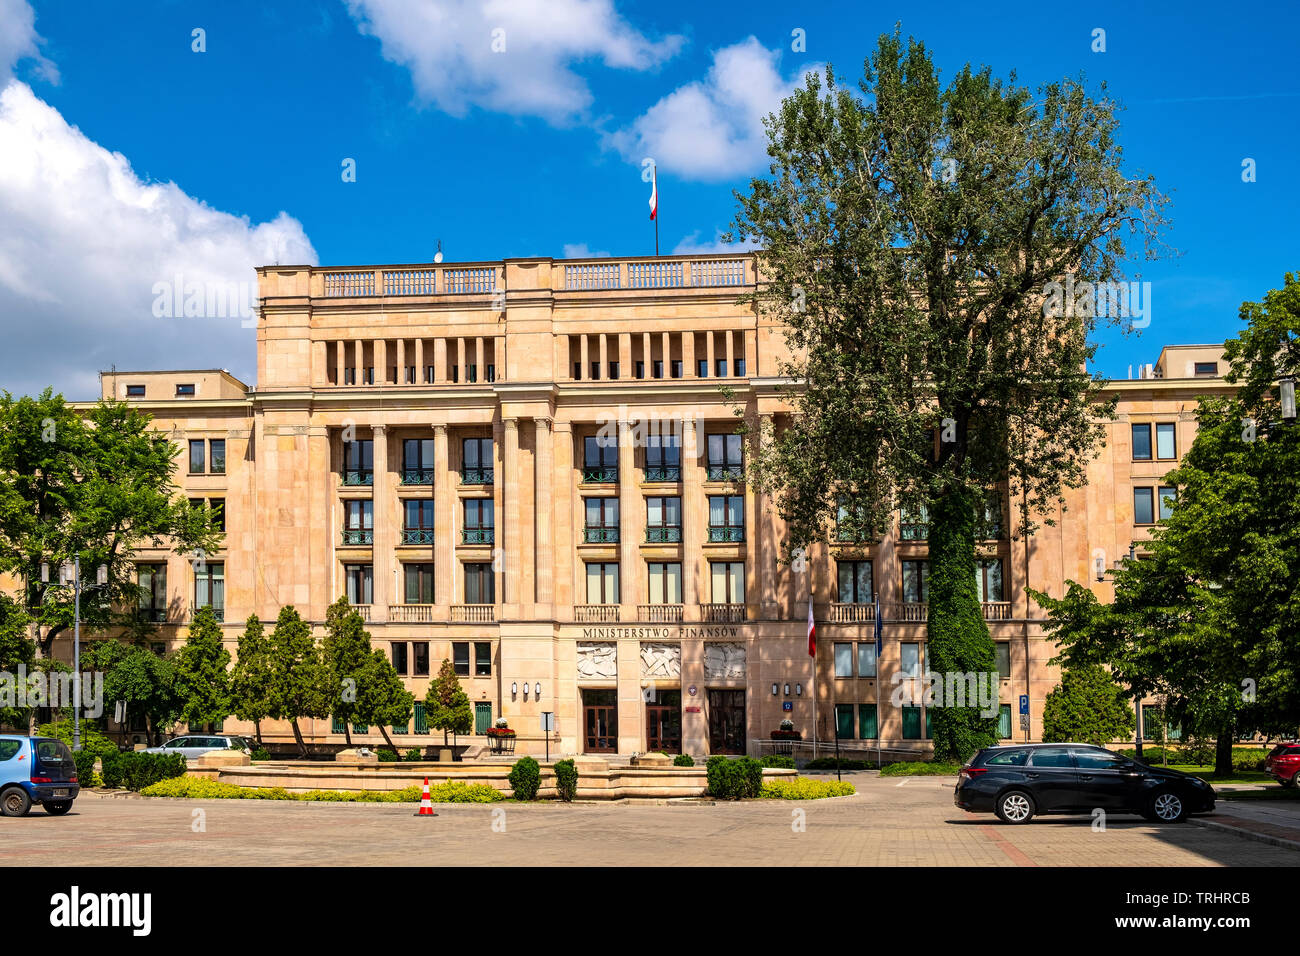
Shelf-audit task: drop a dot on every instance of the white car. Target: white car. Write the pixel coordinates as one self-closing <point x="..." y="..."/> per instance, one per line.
<point x="196" y="745"/>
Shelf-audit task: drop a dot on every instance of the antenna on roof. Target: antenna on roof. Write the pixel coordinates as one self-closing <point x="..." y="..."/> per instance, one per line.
<point x="437" y="256"/>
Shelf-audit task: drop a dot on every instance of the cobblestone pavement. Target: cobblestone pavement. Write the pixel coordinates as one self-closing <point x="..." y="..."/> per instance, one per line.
<point x="890" y="822"/>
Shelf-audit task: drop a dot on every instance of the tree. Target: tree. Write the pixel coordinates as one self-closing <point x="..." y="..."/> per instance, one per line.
<point x="908" y="239"/>
<point x="382" y="698"/>
<point x="16" y="650"/>
<point x="447" y="704"/>
<point x="347" y="651"/>
<point x="299" y="679"/>
<point x="97" y="484"/>
<point x="149" y="685"/>
<point x="250" y="682"/>
<point x="1087" y="707"/>
<point x="202" y="671"/>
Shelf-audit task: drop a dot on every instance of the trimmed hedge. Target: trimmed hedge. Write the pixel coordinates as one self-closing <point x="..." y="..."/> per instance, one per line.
<point x="85" y="760"/>
<point x="196" y="788"/>
<point x="1243" y="758"/>
<point x="566" y="780"/>
<point x="843" y="763"/>
<point x="801" y="788"/>
<point x="777" y="760"/>
<point x="525" y="778"/>
<point x="683" y="760"/>
<point x="737" y="779"/>
<point x="137" y="770"/>
<point x="413" y="755"/>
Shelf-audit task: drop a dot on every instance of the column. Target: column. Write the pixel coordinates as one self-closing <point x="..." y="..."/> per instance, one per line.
<point x="511" y="568"/>
<point x="339" y="360"/>
<point x="480" y="370"/>
<point x="628" y="548"/>
<point x="647" y="355"/>
<point x="604" y="356"/>
<point x="688" y="354"/>
<point x="545" y="545"/>
<point x="667" y="348"/>
<point x="583" y="367"/>
<point x="380" y="353"/>
<point x="360" y="363"/>
<point x="462" y="367"/>
<point x="419" y="361"/>
<point x="382" y="506"/>
<point x="439" y="361"/>
<point x="731" y="355"/>
<point x="694" y="590"/>
<point x="766" y="549"/>
<point x="445" y="572"/>
<point x="708" y="344"/>
<point x="625" y="367"/>
<point x="562" y="524"/>
<point x="751" y="354"/>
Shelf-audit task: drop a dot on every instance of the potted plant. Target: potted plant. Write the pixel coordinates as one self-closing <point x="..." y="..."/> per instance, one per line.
<point x="785" y="737"/>
<point x="501" y="739"/>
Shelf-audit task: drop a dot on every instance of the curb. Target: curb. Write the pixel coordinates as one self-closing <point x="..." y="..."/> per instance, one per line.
<point x="1244" y="833"/>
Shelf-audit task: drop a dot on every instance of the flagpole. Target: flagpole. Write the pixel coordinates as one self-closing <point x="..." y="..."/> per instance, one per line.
<point x="655" y="174"/>
<point x="812" y="623"/>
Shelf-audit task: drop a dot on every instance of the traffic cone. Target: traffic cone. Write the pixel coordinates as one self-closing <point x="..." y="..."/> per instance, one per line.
<point x="426" y="802"/>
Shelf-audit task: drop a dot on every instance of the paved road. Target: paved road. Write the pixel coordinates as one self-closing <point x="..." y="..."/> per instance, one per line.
<point x="888" y="823"/>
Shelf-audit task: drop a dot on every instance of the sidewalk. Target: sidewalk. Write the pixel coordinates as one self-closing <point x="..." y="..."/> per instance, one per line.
<point x="1276" y="822"/>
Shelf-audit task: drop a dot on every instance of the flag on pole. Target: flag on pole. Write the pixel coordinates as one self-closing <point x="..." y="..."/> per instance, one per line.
<point x="654" y="192"/>
<point x="880" y="633"/>
<point x="812" y="630"/>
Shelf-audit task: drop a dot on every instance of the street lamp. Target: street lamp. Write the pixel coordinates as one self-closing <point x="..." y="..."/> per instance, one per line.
<point x="1286" y="396"/>
<point x="70" y="573"/>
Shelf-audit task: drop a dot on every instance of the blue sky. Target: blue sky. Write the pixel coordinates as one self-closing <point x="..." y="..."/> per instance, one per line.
<point x="536" y="150"/>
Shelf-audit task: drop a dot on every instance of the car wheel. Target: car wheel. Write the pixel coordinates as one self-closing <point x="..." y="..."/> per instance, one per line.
<point x="1289" y="782"/>
<point x="1015" y="806"/>
<point x="57" y="808"/>
<point x="14" y="802"/>
<point x="1167" y="807"/>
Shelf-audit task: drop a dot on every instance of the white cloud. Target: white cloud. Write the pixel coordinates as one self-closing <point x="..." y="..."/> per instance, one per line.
<point x="20" y="41"/>
<point x="448" y="47"/>
<point x="691" y="245"/>
<point x="712" y="129"/>
<point x="84" y="243"/>
<point x="579" y="250"/>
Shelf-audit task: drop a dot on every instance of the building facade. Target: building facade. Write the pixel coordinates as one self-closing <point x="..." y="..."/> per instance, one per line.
<point x="530" y="468"/>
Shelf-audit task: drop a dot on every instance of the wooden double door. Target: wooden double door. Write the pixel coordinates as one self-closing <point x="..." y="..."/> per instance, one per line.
<point x="727" y="721"/>
<point x="663" y="722"/>
<point x="600" y="721"/>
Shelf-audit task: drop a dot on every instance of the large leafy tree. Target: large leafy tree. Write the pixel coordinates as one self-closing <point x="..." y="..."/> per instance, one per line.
<point x="447" y="704"/>
<point x="16" y="650"/>
<point x="909" y="233"/>
<point x="97" y="484"/>
<point x="347" y="650"/>
<point x="382" y="698"/>
<point x="1087" y="707"/>
<point x="299" y="678"/>
<point x="149" y="684"/>
<point x="250" y="681"/>
<point x="203" y="671"/>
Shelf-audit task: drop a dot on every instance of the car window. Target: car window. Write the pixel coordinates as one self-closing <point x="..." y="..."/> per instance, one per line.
<point x="1292" y="751"/>
<point x="1012" y="758"/>
<point x="53" y="752"/>
<point x="238" y="743"/>
<point x="1051" y="757"/>
<point x="177" y="743"/>
<point x="218" y="742"/>
<point x="1098" y="760"/>
<point x="8" y="748"/>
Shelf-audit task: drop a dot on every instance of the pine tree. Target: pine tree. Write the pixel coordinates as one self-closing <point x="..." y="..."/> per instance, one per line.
<point x="299" y="678"/>
<point x="250" y="682"/>
<point x="202" y="672"/>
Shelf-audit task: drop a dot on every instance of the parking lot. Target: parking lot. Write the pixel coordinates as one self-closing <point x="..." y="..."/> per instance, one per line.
<point x="890" y="822"/>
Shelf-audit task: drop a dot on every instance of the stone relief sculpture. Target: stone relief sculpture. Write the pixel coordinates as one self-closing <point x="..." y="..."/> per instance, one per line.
<point x="661" y="660"/>
<point x="597" y="660"/>
<point x="724" y="660"/>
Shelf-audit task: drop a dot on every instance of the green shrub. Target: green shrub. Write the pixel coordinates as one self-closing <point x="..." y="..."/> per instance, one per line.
<point x="91" y="738"/>
<point x="388" y="756"/>
<point x="734" y="779"/>
<point x="525" y="778"/>
<point x="566" y="780"/>
<point x="413" y="755"/>
<point x="801" y="788"/>
<point x="135" y="771"/>
<point x="683" y="760"/>
<point x="85" y="759"/>
<point x="832" y="763"/>
<point x="202" y="788"/>
<point x="920" y="768"/>
<point x="260" y="754"/>
<point x="777" y="760"/>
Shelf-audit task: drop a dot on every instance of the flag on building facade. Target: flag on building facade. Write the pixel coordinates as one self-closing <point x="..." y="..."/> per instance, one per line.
<point x="812" y="630"/>
<point x="654" y="193"/>
<point x="880" y="633"/>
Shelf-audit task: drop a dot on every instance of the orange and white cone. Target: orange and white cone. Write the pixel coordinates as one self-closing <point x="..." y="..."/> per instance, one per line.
<point x="426" y="802"/>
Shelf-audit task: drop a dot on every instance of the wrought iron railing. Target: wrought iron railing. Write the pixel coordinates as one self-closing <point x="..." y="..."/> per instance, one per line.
<point x="476" y="476"/>
<point x="726" y="472"/>
<point x="358" y="536"/>
<point x="668" y="534"/>
<point x="600" y="474"/>
<point x="670" y="473"/>
<point x="417" y="536"/>
<point x="725" y="535"/>
<point x="417" y="476"/>
<point x="357" y="477"/>
<point x="600" y="535"/>
<point x="477" y="535"/>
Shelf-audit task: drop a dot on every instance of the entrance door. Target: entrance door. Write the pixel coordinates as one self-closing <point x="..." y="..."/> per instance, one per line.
<point x="600" y="721"/>
<point x="663" y="721"/>
<point x="726" y="721"/>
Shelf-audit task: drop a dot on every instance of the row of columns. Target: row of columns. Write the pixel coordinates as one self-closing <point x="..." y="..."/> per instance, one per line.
<point x="462" y="352"/>
<point x="597" y="347"/>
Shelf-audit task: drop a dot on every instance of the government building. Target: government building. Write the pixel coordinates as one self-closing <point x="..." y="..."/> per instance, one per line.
<point x="530" y="468"/>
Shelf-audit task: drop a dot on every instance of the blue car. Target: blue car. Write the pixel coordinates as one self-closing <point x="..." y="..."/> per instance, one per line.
<point x="36" y="770"/>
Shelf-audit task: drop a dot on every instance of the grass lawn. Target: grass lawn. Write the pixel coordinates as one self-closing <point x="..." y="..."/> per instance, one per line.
<point x="1272" y="793"/>
<point x="1206" y="773"/>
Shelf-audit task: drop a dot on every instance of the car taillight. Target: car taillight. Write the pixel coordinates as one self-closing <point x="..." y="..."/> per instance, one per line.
<point x="42" y="780"/>
<point x="74" y="779"/>
<point x="971" y="771"/>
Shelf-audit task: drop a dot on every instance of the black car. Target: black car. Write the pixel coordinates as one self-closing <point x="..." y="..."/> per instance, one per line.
<point x="1018" y="781"/>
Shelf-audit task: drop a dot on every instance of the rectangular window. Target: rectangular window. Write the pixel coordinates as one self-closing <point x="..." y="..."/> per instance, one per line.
<point x="844" y="721"/>
<point x="657" y="368"/>
<point x="725" y="457"/>
<point x="401" y="657"/>
<point x="1142" y="442"/>
<point x="417" y="461"/>
<point x="867" y="722"/>
<point x="640" y="369"/>
<point x="914" y="525"/>
<point x="991" y="523"/>
<point x="419" y="583"/>
<point x="417" y="516"/>
<point x="217" y="456"/>
<point x="663" y="458"/>
<point x="843" y="660"/>
<point x="665" y="582"/>
<point x="740" y="368"/>
<point x="916" y="581"/>
<point x="577" y="370"/>
<point x="595" y="370"/>
<point x="210" y="587"/>
<point x="482" y="716"/>
<point x="479" y="521"/>
<point x="600" y="458"/>
<point x="135" y="391"/>
<point x="482" y="658"/>
<point x="1206" y="368"/>
<point x="1004" y="721"/>
<point x="663" y="520"/>
<point x="476" y="461"/>
<point x="1143" y="506"/>
<point x="196" y="456"/>
<point x="911" y="723"/>
<point x="676" y="366"/>
<point x="867" y="659"/>
<point x="491" y="373"/>
<point x="727" y="580"/>
<point x="702" y="368"/>
<point x="855" y="582"/>
<point x="360" y="583"/>
<point x="471" y="374"/>
<point x="153" y="596"/>
<point x="421" y="719"/>
<point x="1166" y="443"/>
<point x="218" y="508"/>
<point x="909" y="659"/>
<point x="726" y="518"/>
<point x="358" y="461"/>
<point x="721" y="365"/>
<point x="1002" y="657"/>
<point x="183" y="391"/>
<point x="602" y="582"/>
<point x="460" y="658"/>
<point x="601" y="516"/>
<point x="358" y="521"/>
<point x="613" y="370"/>
<point x="988" y="579"/>
<point x="337" y="726"/>
<point x="420" y="651"/>
<point x="480" y="586"/>
<point x="1168" y="496"/>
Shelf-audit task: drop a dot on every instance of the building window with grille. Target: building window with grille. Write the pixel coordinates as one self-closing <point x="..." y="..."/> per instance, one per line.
<point x="360" y="580"/>
<point x="479" y="521"/>
<point x="726" y="457"/>
<point x="476" y="461"/>
<point x="665" y="582"/>
<point x="867" y="727"/>
<point x="482" y="716"/>
<point x="726" y="518"/>
<point x="417" y="521"/>
<point x="421" y="719"/>
<point x="417" y="461"/>
<point x="419" y="583"/>
<point x="480" y="587"/>
<point x="914" y="524"/>
<point x="358" y="522"/>
<point x="601" y="515"/>
<point x="727" y="582"/>
<point x="602" y="582"/>
<point x="855" y="584"/>
<point x="600" y="459"/>
<point x="844" y="721"/>
<point x="663" y="520"/>
<point x="359" y="462"/>
<point x="911" y="723"/>
<point x="663" y="458"/>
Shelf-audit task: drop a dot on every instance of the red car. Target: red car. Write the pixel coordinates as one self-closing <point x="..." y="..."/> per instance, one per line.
<point x="1282" y="763"/>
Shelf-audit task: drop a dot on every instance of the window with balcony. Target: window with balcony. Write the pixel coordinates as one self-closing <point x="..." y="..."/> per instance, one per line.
<point x="663" y="458"/>
<point x="417" y="461"/>
<point x="726" y="461"/>
<point x="1168" y="498"/>
<point x="479" y="524"/>
<point x="916" y="581"/>
<point x="152" y="579"/>
<point x="727" y="582"/>
<point x="417" y="521"/>
<point x="988" y="580"/>
<point x="851" y="521"/>
<point x="914" y="524"/>
<point x="210" y="587"/>
<point x="358" y="522"/>
<point x="663" y="520"/>
<point x="360" y="583"/>
<point x="600" y="459"/>
<point x="476" y="461"/>
<point x="855" y="584"/>
<point x="418" y="580"/>
<point x="726" y="518"/>
<point x="1144" y="506"/>
<point x="602" y="582"/>
<point x="1166" y="443"/>
<point x="665" y="582"/>
<point x="359" y="462"/>
<point x="601" y="521"/>
<point x="480" y="586"/>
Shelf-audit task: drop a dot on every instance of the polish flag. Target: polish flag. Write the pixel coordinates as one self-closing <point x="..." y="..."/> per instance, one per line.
<point x="812" y="630"/>
<point x="654" y="192"/>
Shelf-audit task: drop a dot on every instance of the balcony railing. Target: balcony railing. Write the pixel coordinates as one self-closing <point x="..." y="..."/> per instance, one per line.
<point x="839" y="613"/>
<point x="218" y="612"/>
<point x="358" y="477"/>
<point x="410" y="282"/>
<point x="417" y="536"/>
<point x="906" y="610"/>
<point x="473" y="613"/>
<point x="344" y="284"/>
<point x="726" y="472"/>
<point x="600" y="474"/>
<point x="477" y="535"/>
<point x="914" y="532"/>
<point x="417" y="476"/>
<point x="596" y="613"/>
<point x="358" y="536"/>
<point x="600" y="535"/>
<point x="363" y="610"/>
<point x="727" y="535"/>
<point x="996" y="610"/>
<point x="410" y="613"/>
<point x="476" y="476"/>
<point x="659" y="613"/>
<point x="469" y="280"/>
<point x="660" y="274"/>
<point x="669" y="534"/>
<point x="154" y="615"/>
<point x="722" y="613"/>
<point x="669" y="473"/>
